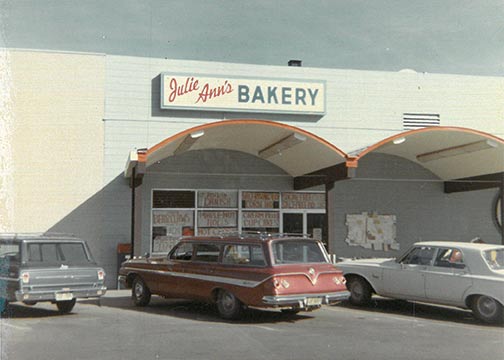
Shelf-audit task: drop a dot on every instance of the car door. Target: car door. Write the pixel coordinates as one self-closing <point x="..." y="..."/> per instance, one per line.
<point x="448" y="278"/>
<point x="406" y="280"/>
<point x="172" y="268"/>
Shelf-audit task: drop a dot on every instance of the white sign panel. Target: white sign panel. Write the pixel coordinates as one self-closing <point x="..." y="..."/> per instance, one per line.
<point x="203" y="92"/>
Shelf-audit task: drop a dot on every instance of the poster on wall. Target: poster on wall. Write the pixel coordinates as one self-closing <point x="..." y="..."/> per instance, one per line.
<point x="372" y="231"/>
<point x="169" y="226"/>
<point x="217" y="219"/>
<point x="260" y="219"/>
<point x="294" y="200"/>
<point x="260" y="200"/>
<point x="217" y="199"/>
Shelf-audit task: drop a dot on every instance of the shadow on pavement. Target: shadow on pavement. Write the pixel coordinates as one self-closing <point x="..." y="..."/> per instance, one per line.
<point x="418" y="310"/>
<point x="194" y="310"/>
<point x="21" y="311"/>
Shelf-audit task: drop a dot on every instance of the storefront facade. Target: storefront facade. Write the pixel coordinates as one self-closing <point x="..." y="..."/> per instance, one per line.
<point x="145" y="150"/>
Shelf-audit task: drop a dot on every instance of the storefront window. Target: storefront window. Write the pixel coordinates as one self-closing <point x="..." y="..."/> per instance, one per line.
<point x="177" y="213"/>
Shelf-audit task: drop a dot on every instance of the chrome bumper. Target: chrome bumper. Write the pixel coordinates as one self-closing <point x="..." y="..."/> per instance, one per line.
<point x="50" y="295"/>
<point x="304" y="301"/>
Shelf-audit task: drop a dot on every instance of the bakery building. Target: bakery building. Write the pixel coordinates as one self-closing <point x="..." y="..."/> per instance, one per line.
<point x="140" y="151"/>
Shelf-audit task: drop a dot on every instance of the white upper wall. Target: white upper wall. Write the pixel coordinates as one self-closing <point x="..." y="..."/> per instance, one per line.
<point x="57" y="134"/>
<point x="362" y="107"/>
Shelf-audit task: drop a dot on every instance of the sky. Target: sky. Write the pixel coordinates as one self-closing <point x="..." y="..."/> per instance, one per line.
<point x="433" y="36"/>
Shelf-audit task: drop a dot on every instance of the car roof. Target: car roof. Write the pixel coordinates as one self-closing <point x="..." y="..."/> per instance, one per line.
<point x="46" y="237"/>
<point x="252" y="237"/>
<point x="461" y="245"/>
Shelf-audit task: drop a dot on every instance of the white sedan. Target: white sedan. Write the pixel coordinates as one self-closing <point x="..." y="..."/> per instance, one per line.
<point x="466" y="275"/>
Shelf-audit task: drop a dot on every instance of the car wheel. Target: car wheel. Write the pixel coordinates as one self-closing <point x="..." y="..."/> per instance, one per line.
<point x="66" y="306"/>
<point x="487" y="309"/>
<point x="360" y="291"/>
<point x="228" y="305"/>
<point x="140" y="292"/>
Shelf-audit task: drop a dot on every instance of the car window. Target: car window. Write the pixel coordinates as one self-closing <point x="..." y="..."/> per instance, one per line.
<point x="494" y="258"/>
<point x="206" y="252"/>
<point x="9" y="252"/>
<point x="449" y="257"/>
<point x="288" y="252"/>
<point x="72" y="253"/>
<point x="182" y="252"/>
<point x="421" y="255"/>
<point x="244" y="255"/>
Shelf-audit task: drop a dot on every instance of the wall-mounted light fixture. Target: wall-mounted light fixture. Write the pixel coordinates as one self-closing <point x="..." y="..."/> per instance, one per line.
<point x="457" y="150"/>
<point x="399" y="140"/>
<point x="282" y="145"/>
<point x="189" y="141"/>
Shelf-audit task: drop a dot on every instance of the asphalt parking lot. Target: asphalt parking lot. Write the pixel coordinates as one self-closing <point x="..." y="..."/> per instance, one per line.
<point x="112" y="328"/>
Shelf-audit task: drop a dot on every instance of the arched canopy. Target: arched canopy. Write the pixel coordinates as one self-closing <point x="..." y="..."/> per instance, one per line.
<point x="448" y="152"/>
<point x="294" y="150"/>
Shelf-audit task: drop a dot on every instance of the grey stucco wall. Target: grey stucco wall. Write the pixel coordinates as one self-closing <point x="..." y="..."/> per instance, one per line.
<point x="389" y="185"/>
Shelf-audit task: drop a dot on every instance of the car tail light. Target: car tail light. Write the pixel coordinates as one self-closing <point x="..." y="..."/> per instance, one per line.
<point x="25" y="277"/>
<point x="101" y="274"/>
<point x="339" y="280"/>
<point x="279" y="283"/>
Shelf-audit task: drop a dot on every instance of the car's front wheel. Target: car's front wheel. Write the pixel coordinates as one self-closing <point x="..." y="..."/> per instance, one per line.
<point x="140" y="292"/>
<point x="360" y="291"/>
<point x="487" y="309"/>
<point x="228" y="305"/>
<point x="65" y="306"/>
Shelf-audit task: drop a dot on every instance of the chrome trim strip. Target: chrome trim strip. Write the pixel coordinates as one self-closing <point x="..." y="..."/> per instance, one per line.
<point x="302" y="299"/>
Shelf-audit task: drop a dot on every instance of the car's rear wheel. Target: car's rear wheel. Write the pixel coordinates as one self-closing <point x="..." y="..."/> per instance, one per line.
<point x="228" y="305"/>
<point x="360" y="291"/>
<point x="65" y="306"/>
<point x="140" y="293"/>
<point x="487" y="309"/>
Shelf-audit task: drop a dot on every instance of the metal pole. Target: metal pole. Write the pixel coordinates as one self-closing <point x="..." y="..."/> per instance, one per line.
<point x="133" y="175"/>
<point x="502" y="208"/>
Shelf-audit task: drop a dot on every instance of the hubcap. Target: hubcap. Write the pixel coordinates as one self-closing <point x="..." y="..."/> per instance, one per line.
<point x="357" y="290"/>
<point x="487" y="306"/>
<point x="227" y="301"/>
<point x="138" y="290"/>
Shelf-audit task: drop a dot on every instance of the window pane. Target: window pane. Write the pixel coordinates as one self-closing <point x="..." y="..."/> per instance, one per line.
<point x="244" y="255"/>
<point x="207" y="252"/>
<point x="49" y="253"/>
<point x="173" y="199"/>
<point x="419" y="256"/>
<point x="495" y="258"/>
<point x="74" y="253"/>
<point x="286" y="252"/>
<point x="217" y="199"/>
<point x="182" y="252"/>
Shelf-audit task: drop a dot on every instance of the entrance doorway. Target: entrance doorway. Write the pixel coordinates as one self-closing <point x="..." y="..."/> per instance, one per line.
<point x="313" y="224"/>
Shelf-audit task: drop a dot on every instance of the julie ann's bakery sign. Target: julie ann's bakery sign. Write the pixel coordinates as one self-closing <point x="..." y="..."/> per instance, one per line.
<point x="219" y="93"/>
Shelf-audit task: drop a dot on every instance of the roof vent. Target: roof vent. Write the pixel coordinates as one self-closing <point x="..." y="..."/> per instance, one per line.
<point x="295" y="63"/>
<point x="412" y="121"/>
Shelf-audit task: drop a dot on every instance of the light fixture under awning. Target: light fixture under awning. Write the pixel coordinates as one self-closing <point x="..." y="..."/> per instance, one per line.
<point x="457" y="150"/>
<point x="282" y="145"/>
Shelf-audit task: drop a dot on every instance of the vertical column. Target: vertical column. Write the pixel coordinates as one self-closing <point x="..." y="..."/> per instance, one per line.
<point x="502" y="208"/>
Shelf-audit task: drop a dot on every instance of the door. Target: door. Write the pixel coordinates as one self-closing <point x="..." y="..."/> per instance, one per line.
<point x="448" y="278"/>
<point x="406" y="279"/>
<point x="304" y="222"/>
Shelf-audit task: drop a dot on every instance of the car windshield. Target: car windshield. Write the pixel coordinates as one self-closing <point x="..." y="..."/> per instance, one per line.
<point x="64" y="253"/>
<point x="494" y="258"/>
<point x="298" y="251"/>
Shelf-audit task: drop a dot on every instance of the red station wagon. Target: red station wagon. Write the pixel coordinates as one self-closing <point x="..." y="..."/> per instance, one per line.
<point x="237" y="271"/>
